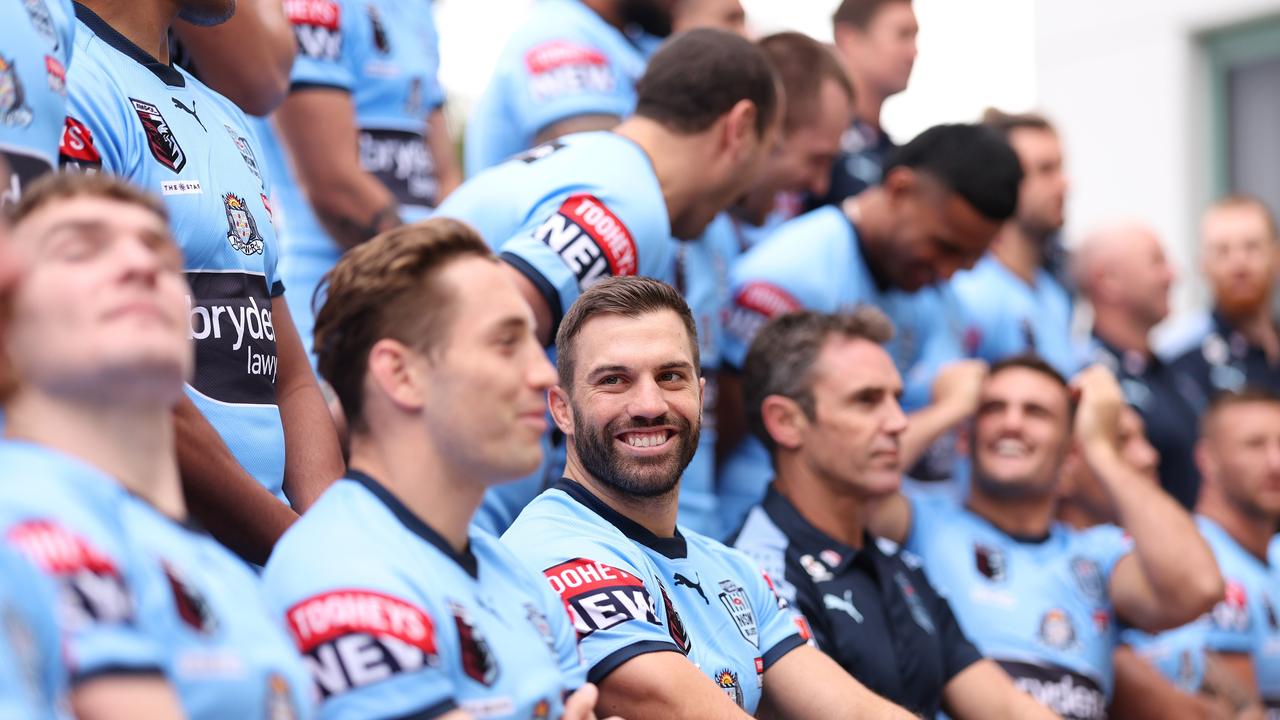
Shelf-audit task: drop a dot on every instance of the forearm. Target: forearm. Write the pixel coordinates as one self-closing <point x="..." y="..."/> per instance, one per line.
<point x="221" y="496"/>
<point x="925" y="426"/>
<point x="313" y="457"/>
<point x="444" y="153"/>
<point x="352" y="205"/>
<point x="247" y="58"/>
<point x="1142" y="693"/>
<point x="1176" y="561"/>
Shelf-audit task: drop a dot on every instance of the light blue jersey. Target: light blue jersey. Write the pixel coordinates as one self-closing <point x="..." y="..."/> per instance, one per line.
<point x="567" y="214"/>
<point x="702" y="276"/>
<point x="386" y="55"/>
<point x="167" y="133"/>
<point x="815" y="262"/>
<point x="33" y="680"/>
<point x="1004" y="315"/>
<point x="1178" y="654"/>
<point x="394" y="623"/>
<point x="631" y="593"/>
<point x="562" y="62"/>
<point x="1039" y="607"/>
<point x="35" y="53"/>
<point x="143" y="593"/>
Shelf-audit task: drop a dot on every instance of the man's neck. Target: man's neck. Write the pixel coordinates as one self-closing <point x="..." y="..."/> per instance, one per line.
<point x="608" y="11"/>
<point x="867" y="102"/>
<point x="866" y="211"/>
<point x="839" y="516"/>
<point x="1023" y="518"/>
<point x="423" y="477"/>
<point x="1251" y="532"/>
<point x="655" y="514"/>
<point x="1122" y="332"/>
<point x="134" y="444"/>
<point x="677" y="160"/>
<point x="1022" y="254"/>
<point x="1259" y="329"/>
<point x="144" y="22"/>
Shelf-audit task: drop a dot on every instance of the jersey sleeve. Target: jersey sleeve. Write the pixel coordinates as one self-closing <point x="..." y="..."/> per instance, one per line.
<point x="97" y="590"/>
<point x="782" y="629"/>
<point x="560" y="76"/>
<point x="1106" y="544"/>
<point x="327" y="44"/>
<point x="1231" y="625"/>
<point x="578" y="241"/>
<point x="98" y="134"/>
<point x="754" y="299"/>
<point x="373" y="647"/>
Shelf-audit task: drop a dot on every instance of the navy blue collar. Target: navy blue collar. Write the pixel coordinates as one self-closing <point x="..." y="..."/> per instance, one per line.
<point x="415" y="524"/>
<point x="167" y="73"/>
<point x="672" y="547"/>
<point x="809" y="540"/>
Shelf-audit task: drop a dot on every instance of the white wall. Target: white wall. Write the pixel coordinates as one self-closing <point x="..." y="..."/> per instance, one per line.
<point x="1126" y="84"/>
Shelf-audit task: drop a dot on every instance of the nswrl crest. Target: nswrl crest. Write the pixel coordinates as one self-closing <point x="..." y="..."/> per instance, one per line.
<point x="242" y="230"/>
<point x="739" y="607"/>
<point x="13" y="99"/>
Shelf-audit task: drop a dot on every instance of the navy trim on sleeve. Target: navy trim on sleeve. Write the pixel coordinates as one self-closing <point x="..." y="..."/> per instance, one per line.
<point x="277" y="289"/>
<point x="435" y="711"/>
<point x="775" y="653"/>
<point x="615" y="659"/>
<point x="300" y="85"/>
<point x="116" y="671"/>
<point x="544" y="288"/>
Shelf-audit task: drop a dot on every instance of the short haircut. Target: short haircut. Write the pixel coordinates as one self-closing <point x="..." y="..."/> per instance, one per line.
<point x="859" y="13"/>
<point x="387" y="288"/>
<point x="781" y="358"/>
<point x="67" y="185"/>
<point x="804" y="65"/>
<point x="974" y="162"/>
<point x="1006" y="123"/>
<point x="1236" y="201"/>
<point x="628" y="297"/>
<point x="1035" y="363"/>
<point x="1227" y="399"/>
<point x="698" y="76"/>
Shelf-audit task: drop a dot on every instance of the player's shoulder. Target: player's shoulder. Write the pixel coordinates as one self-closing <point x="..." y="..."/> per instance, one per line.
<point x="555" y="29"/>
<point x="982" y="286"/>
<point x="796" y="247"/>
<point x="554" y="527"/>
<point x="710" y="551"/>
<point x="38" y="479"/>
<point x="345" y="522"/>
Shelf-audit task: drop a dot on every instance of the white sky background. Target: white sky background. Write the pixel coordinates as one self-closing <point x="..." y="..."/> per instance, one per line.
<point x="973" y="53"/>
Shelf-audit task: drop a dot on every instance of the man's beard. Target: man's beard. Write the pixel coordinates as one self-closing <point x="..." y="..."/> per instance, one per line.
<point x="639" y="478"/>
<point x="1240" y="300"/>
<point x="648" y="15"/>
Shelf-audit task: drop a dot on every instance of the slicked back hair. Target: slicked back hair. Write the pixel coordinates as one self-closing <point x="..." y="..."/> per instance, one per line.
<point x="972" y="161"/>
<point x="698" y="76"/>
<point x="388" y="287"/>
<point x="804" y="66"/>
<point x="860" y="13"/>
<point x="781" y="358"/>
<point x="628" y="297"/>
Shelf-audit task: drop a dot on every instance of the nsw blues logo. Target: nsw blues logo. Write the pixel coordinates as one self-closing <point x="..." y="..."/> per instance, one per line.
<point x="160" y="139"/>
<point x="242" y="229"/>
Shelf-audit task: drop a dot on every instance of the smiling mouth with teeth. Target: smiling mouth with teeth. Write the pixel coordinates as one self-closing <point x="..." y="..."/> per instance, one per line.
<point x="1011" y="448"/>
<point x="645" y="439"/>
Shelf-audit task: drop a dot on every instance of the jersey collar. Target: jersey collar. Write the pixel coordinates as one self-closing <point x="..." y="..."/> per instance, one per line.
<point x="415" y="524"/>
<point x="808" y="540"/>
<point x="167" y="73"/>
<point x="672" y="547"/>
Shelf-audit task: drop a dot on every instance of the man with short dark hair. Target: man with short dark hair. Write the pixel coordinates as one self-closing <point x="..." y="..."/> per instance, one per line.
<point x="593" y="205"/>
<point x="1036" y="596"/>
<point x="570" y="67"/>
<point x="822" y="395"/>
<point x="719" y="14"/>
<point x="944" y="196"/>
<point x="672" y="624"/>
<point x="1012" y="303"/>
<point x="876" y="39"/>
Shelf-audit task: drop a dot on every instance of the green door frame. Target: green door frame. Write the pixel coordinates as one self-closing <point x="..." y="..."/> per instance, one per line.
<point x="1226" y="49"/>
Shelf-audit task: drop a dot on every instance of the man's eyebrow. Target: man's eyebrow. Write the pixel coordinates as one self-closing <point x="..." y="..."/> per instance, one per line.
<point x="608" y="370"/>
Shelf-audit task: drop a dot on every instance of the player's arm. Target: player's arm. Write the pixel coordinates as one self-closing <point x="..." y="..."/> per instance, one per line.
<point x="246" y="58"/>
<point x="1142" y="693"/>
<point x="318" y="128"/>
<point x="576" y="124"/>
<point x="313" y="457"/>
<point x="983" y="691"/>
<point x="954" y="400"/>
<point x="444" y="153"/>
<point x="1230" y="676"/>
<point x="1171" y="577"/>
<point x="222" y="497"/>
<point x="124" y="697"/>
<point x="805" y="684"/>
<point x="664" y="685"/>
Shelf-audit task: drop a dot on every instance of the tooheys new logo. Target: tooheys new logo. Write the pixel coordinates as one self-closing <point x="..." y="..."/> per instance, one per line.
<point x="317" y="26"/>
<point x="754" y="304"/>
<point x="560" y="67"/>
<point x="235" y="341"/>
<point x="401" y="161"/>
<point x="1071" y="695"/>
<point x="352" y="638"/>
<point x="600" y="596"/>
<point x="94" y="591"/>
<point x="590" y="239"/>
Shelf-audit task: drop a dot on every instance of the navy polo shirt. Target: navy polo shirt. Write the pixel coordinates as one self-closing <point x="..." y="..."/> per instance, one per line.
<point x="1170" y="401"/>
<point x="1225" y="361"/>
<point x="871" y="609"/>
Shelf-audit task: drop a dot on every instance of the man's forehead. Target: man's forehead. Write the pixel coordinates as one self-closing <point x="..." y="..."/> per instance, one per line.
<point x="1024" y="385"/>
<point x="652" y="338"/>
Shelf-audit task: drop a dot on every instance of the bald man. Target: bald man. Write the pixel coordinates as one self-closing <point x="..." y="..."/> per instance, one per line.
<point x="719" y="14"/>
<point x="1122" y="270"/>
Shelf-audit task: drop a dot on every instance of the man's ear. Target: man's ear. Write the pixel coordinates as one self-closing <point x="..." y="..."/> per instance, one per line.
<point x="395" y="376"/>
<point x="900" y="183"/>
<point x="561" y="409"/>
<point x="740" y="128"/>
<point x="784" y="420"/>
